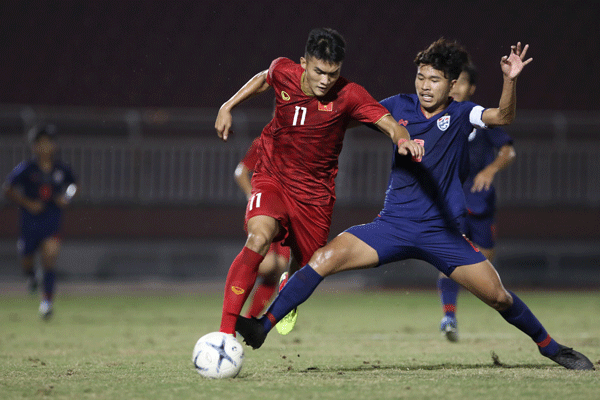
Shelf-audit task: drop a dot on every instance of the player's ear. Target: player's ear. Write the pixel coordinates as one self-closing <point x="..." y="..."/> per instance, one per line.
<point x="472" y="90"/>
<point x="303" y="62"/>
<point x="452" y="84"/>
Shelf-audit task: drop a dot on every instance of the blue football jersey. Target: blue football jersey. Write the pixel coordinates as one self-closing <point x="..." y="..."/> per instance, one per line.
<point x="37" y="185"/>
<point x="430" y="188"/>
<point x="483" y="144"/>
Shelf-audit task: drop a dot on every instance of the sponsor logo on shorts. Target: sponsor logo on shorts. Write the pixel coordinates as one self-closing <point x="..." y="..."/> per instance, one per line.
<point x="284" y="95"/>
<point x="237" y="290"/>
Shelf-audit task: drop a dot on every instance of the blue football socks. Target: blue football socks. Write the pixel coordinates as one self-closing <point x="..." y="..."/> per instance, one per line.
<point x="521" y="316"/>
<point x="295" y="292"/>
<point x="448" y="291"/>
<point x="49" y="277"/>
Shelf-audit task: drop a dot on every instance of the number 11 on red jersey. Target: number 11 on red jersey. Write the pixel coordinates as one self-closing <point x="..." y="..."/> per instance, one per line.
<point x="254" y="200"/>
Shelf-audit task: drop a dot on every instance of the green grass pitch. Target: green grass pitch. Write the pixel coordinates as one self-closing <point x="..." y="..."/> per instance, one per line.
<point x="347" y="345"/>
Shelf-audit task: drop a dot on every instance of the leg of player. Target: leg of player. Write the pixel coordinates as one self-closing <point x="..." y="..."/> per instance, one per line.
<point x="244" y="269"/>
<point x="28" y="266"/>
<point x="483" y="281"/>
<point x="488" y="253"/>
<point x="345" y="252"/>
<point x="270" y="270"/>
<point x="448" y="291"/>
<point x="288" y="322"/>
<point x="49" y="251"/>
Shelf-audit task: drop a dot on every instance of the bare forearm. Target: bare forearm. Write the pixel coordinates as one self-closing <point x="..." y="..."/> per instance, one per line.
<point x="16" y="197"/>
<point x="242" y="178"/>
<point x="506" y="155"/>
<point x="508" y="101"/>
<point x="254" y="86"/>
<point x="506" y="111"/>
<point x="391" y="128"/>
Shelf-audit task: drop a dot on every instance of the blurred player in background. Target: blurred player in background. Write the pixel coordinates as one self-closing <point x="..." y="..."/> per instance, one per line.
<point x="42" y="187"/>
<point x="293" y="185"/>
<point x="276" y="261"/>
<point x="490" y="151"/>
<point x="425" y="203"/>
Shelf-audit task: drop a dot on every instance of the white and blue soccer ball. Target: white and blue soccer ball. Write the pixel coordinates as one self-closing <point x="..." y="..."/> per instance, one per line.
<point x="218" y="355"/>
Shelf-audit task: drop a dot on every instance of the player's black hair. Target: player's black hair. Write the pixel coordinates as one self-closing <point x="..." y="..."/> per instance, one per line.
<point x="446" y="56"/>
<point x="325" y="44"/>
<point x="38" y="131"/>
<point x="471" y="70"/>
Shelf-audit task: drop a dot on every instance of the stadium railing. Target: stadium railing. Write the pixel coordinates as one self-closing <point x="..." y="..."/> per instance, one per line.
<point x="156" y="156"/>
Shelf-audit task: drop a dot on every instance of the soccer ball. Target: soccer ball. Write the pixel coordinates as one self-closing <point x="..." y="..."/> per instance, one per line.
<point x="218" y="355"/>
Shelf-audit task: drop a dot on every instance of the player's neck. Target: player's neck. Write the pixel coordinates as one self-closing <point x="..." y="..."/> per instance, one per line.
<point x="45" y="163"/>
<point x="304" y="85"/>
<point x="430" y="112"/>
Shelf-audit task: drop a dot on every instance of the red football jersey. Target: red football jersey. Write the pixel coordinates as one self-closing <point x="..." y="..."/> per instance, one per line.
<point x="252" y="155"/>
<point x="301" y="145"/>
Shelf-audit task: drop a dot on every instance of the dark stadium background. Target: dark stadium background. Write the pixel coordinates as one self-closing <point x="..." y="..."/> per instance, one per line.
<point x="99" y="58"/>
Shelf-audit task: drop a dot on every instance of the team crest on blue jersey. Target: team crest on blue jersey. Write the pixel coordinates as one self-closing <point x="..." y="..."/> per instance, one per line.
<point x="443" y="122"/>
<point x="58" y="176"/>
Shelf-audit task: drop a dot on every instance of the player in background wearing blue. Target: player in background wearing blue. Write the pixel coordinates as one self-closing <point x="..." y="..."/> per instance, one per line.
<point x="425" y="203"/>
<point x="490" y="151"/>
<point x="42" y="187"/>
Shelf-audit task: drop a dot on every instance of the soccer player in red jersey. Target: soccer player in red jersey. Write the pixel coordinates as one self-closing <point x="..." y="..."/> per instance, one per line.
<point x="276" y="261"/>
<point x="293" y="185"/>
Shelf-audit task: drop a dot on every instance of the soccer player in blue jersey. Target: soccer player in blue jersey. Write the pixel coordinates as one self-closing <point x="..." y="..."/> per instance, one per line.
<point x="490" y="151"/>
<point x="42" y="187"/>
<point x="425" y="203"/>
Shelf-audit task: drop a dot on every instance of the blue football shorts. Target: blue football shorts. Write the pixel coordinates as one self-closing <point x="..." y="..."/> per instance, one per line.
<point x="481" y="230"/>
<point x="35" y="230"/>
<point x="397" y="239"/>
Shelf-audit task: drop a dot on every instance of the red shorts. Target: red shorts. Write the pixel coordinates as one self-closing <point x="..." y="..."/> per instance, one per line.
<point x="279" y="249"/>
<point x="303" y="227"/>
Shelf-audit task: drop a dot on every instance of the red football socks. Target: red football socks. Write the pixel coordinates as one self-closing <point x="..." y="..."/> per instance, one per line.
<point x="240" y="280"/>
<point x="261" y="298"/>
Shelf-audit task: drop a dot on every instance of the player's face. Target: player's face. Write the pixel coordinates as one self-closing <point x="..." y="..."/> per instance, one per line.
<point x="463" y="89"/>
<point x="433" y="88"/>
<point x="44" y="146"/>
<point x="320" y="76"/>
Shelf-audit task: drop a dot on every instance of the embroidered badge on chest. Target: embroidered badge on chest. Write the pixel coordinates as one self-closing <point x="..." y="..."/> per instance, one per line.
<point x="325" y="107"/>
<point x="443" y="122"/>
<point x="58" y="176"/>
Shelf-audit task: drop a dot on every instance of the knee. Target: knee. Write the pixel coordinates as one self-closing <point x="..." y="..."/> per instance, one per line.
<point x="328" y="260"/>
<point x="258" y="242"/>
<point x="501" y="301"/>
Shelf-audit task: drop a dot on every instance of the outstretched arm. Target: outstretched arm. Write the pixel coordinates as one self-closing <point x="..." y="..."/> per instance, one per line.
<point x="400" y="136"/>
<point x="254" y="86"/>
<point x="511" y="65"/>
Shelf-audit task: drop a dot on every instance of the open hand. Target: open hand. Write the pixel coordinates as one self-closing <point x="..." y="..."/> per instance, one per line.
<point x="513" y="64"/>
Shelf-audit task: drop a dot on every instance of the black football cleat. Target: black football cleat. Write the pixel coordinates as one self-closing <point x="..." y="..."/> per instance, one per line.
<point x="251" y="330"/>
<point x="571" y="359"/>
